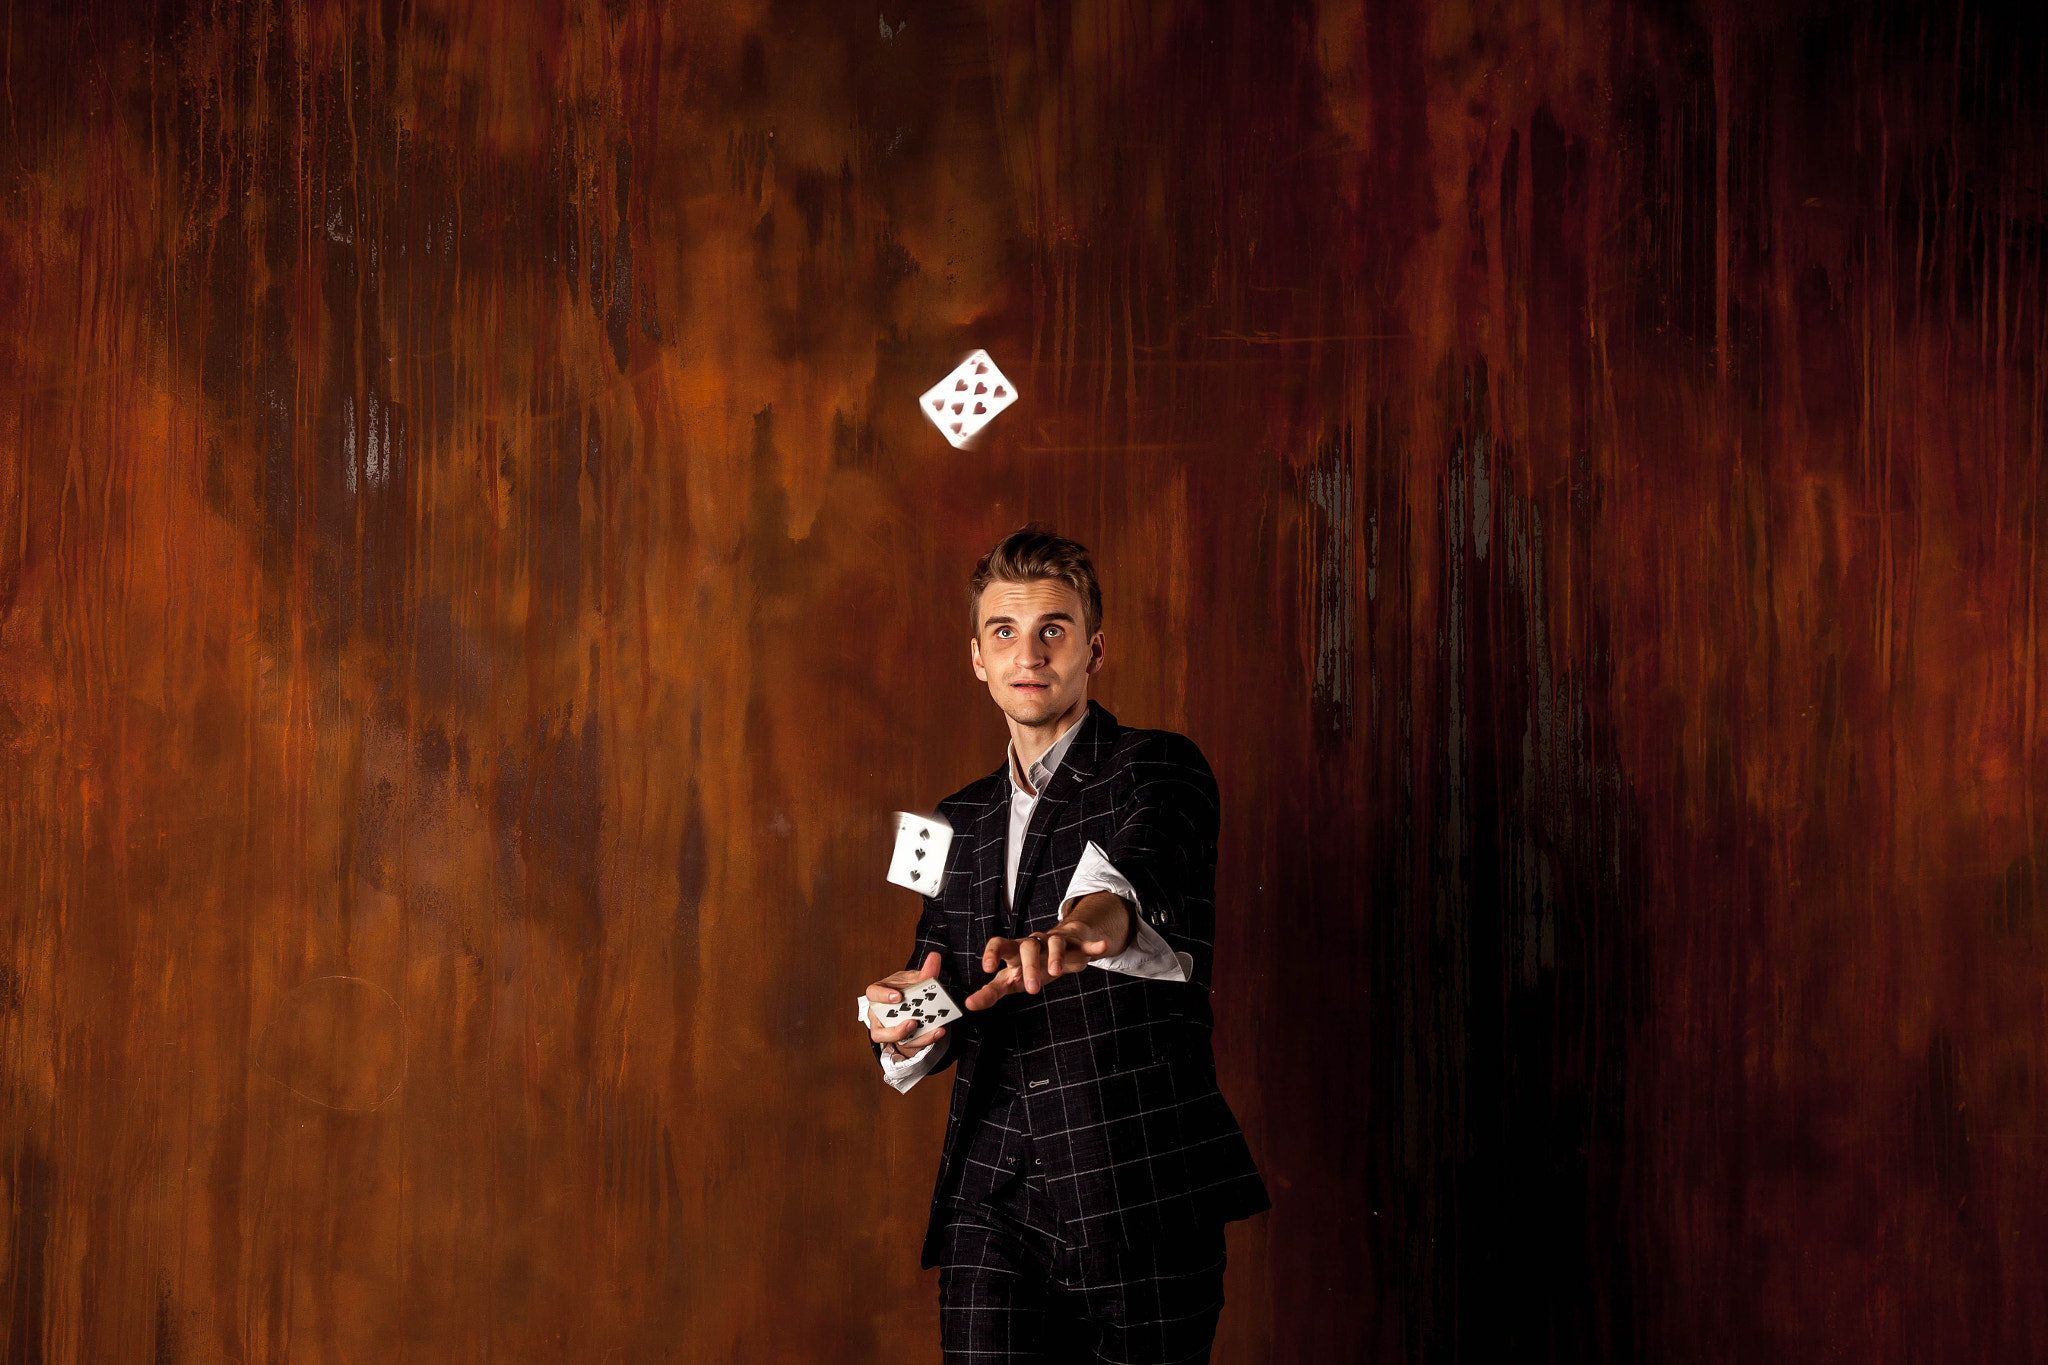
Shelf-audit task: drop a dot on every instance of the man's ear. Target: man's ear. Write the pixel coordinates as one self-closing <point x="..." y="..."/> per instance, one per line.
<point x="974" y="656"/>
<point x="1095" y="654"/>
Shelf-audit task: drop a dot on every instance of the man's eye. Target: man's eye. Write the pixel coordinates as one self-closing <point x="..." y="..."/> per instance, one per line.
<point x="1002" y="632"/>
<point x="1052" y="631"/>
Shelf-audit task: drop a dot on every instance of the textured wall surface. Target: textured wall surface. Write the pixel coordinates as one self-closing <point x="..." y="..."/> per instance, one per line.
<point x="473" y="581"/>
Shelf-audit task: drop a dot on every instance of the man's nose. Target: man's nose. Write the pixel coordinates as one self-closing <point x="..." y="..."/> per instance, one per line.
<point x="1034" y="652"/>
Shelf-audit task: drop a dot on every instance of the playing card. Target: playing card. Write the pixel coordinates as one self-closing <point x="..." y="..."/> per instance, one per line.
<point x="968" y="399"/>
<point x="926" y="1002"/>
<point x="919" y="862"/>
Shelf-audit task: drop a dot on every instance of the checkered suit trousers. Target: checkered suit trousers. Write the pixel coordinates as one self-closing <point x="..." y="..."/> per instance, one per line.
<point x="1013" y="1288"/>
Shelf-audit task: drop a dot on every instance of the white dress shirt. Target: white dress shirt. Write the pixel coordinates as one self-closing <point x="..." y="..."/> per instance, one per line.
<point x="1147" y="954"/>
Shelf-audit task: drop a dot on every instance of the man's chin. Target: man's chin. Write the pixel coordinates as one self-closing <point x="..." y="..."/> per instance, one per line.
<point x="1033" y="708"/>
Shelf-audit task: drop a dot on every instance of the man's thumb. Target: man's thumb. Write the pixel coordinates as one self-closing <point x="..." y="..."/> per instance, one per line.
<point x="931" y="966"/>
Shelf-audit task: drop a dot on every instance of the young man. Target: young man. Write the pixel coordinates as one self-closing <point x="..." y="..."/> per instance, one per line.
<point x="1090" y="1160"/>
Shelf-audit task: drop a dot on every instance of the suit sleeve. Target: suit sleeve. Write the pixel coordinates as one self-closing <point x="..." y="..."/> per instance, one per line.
<point x="1147" y="954"/>
<point x="1165" y="842"/>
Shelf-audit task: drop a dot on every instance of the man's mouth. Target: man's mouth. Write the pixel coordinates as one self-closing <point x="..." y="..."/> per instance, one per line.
<point x="1031" y="685"/>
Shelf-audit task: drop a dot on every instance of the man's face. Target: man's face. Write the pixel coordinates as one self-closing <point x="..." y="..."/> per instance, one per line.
<point x="1031" y="651"/>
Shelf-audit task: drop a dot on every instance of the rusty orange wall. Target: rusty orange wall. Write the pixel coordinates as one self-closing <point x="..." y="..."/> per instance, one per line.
<point x="473" y="579"/>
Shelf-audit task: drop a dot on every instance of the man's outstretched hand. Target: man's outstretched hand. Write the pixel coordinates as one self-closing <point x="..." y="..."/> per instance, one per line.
<point x="1100" y="926"/>
<point x="888" y="991"/>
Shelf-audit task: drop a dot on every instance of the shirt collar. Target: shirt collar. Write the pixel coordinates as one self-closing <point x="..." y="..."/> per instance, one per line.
<point x="1048" y="762"/>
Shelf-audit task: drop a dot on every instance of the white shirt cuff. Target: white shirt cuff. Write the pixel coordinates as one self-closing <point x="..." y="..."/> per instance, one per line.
<point x="1147" y="954"/>
<point x="903" y="1072"/>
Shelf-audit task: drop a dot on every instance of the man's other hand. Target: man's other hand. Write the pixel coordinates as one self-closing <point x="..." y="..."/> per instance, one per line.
<point x="1099" y="926"/>
<point x="888" y="991"/>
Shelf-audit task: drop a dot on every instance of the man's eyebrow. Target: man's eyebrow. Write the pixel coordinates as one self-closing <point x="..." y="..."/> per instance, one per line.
<point x="1066" y="616"/>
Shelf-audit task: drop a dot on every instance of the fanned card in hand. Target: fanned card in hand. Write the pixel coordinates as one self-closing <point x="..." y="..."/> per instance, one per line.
<point x="926" y="1002"/>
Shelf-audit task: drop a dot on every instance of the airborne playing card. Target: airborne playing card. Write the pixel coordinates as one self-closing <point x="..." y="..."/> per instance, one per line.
<point x="968" y="399"/>
<point x="919" y="863"/>
<point x="926" y="1002"/>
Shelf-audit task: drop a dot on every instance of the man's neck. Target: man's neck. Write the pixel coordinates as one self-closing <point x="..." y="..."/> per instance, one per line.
<point x="1029" y="742"/>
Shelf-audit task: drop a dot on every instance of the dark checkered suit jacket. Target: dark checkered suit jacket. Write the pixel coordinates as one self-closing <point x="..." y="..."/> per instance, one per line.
<point x="1118" y="1077"/>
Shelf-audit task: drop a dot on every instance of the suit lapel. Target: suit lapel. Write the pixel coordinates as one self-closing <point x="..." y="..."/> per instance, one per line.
<point x="993" y="829"/>
<point x="1097" y="737"/>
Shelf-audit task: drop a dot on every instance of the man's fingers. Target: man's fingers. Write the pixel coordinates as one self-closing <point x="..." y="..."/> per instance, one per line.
<point x="1041" y="957"/>
<point x="897" y="1033"/>
<point x="1031" y="955"/>
<point x="1070" y="952"/>
<point x="1065" y="943"/>
<point x="891" y="1033"/>
<point x="912" y="1049"/>
<point x="1001" y="985"/>
<point x="999" y="950"/>
<point x="889" y="989"/>
<point x="1028" y="963"/>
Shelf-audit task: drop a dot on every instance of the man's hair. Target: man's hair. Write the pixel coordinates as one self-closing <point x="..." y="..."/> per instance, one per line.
<point x="1032" y="554"/>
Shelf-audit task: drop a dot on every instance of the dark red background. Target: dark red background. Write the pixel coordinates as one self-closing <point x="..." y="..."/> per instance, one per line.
<point x="473" y="581"/>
